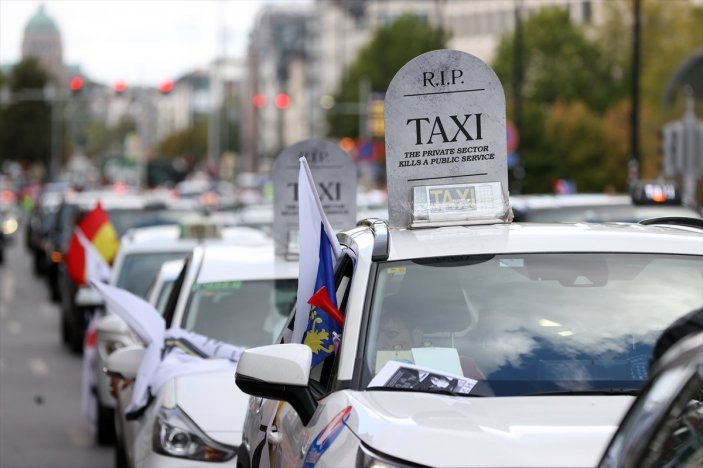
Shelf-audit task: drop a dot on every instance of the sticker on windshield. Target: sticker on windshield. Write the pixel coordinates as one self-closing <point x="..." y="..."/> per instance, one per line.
<point x="396" y="270"/>
<point x="218" y="286"/>
<point x="324" y="439"/>
<point x="408" y="376"/>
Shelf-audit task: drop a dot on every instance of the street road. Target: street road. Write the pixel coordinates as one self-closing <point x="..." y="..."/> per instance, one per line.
<point x="41" y="421"/>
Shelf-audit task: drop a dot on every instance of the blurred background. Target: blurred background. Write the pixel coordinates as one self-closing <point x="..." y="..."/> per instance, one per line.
<point x="599" y="92"/>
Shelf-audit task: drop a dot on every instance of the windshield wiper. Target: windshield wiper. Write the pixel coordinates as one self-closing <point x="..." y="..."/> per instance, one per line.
<point x="441" y="391"/>
<point x="594" y="391"/>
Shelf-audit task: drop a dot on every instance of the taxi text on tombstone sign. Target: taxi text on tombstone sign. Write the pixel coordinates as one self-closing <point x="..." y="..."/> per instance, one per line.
<point x="335" y="176"/>
<point x="446" y="157"/>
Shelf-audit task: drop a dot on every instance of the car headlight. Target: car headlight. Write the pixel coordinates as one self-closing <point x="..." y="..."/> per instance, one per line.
<point x="110" y="346"/>
<point x="365" y="458"/>
<point x="176" y="435"/>
<point x="9" y="226"/>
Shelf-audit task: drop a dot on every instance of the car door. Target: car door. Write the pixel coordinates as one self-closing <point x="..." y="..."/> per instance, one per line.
<point x="281" y="434"/>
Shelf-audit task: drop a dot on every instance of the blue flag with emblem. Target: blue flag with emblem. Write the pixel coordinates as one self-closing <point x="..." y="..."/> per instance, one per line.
<point x="325" y="321"/>
<point x="318" y="322"/>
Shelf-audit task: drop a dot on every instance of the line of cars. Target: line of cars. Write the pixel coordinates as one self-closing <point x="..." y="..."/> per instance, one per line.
<point x="142" y="253"/>
<point x="467" y="339"/>
<point x="9" y="217"/>
<point x="57" y="212"/>
<point x="230" y="288"/>
<point x="529" y="311"/>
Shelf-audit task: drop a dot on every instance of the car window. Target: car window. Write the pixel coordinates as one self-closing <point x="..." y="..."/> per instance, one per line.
<point x="138" y="270"/>
<point x="162" y="299"/>
<point x="531" y="323"/>
<point x="244" y="313"/>
<point x="172" y="301"/>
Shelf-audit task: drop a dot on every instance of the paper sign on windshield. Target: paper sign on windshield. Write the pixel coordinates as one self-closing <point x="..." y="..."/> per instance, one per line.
<point x="411" y="377"/>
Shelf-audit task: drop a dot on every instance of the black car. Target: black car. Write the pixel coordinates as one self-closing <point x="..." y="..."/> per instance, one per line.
<point x="125" y="211"/>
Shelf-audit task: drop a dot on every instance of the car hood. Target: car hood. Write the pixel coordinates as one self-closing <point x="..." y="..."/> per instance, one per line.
<point x="439" y="430"/>
<point x="215" y="403"/>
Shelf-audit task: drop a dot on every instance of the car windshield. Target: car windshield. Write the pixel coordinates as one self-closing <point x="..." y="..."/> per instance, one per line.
<point x="526" y="324"/>
<point x="138" y="270"/>
<point x="243" y="313"/>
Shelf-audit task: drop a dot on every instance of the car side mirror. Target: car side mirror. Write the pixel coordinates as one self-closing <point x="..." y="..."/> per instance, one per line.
<point x="124" y="363"/>
<point x="112" y="325"/>
<point x="279" y="372"/>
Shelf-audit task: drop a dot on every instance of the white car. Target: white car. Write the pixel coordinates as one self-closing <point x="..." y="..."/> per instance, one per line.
<point x="459" y="338"/>
<point x="648" y="200"/>
<point x="232" y="293"/>
<point x="555" y="323"/>
<point x="141" y="255"/>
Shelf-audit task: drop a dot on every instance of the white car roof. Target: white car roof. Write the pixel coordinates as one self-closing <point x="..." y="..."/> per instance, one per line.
<point x="525" y="238"/>
<point x="228" y="262"/>
<point x="155" y="237"/>
<point x="170" y="270"/>
<point x="558" y="201"/>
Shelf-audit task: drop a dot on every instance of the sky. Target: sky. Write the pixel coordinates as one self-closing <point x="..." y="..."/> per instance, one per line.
<point x="143" y="42"/>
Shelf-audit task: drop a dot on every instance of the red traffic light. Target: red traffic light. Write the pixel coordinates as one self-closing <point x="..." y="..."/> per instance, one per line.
<point x="120" y="87"/>
<point x="76" y="83"/>
<point x="259" y="100"/>
<point x="166" y="87"/>
<point x="282" y="101"/>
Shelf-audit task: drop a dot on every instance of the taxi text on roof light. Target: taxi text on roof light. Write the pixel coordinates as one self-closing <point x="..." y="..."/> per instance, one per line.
<point x="201" y="229"/>
<point x="652" y="193"/>
<point x="458" y="203"/>
<point x="446" y="155"/>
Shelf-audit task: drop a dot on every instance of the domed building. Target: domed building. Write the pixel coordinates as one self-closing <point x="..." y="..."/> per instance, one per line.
<point x="42" y="39"/>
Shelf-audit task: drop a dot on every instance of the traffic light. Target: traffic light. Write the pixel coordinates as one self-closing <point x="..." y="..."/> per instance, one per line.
<point x="76" y="84"/>
<point x="259" y="100"/>
<point x="166" y="87"/>
<point x="119" y="87"/>
<point x="282" y="101"/>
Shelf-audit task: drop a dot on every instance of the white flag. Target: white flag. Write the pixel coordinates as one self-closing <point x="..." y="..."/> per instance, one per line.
<point x="310" y="217"/>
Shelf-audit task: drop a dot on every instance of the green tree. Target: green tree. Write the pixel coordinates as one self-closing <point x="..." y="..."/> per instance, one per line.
<point x="559" y="62"/>
<point x="568" y="82"/>
<point x="25" y="123"/>
<point x="670" y="32"/>
<point x="391" y="47"/>
<point x="191" y="142"/>
<point x="102" y="141"/>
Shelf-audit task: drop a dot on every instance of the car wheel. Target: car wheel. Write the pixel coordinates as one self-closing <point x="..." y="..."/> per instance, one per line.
<point x="55" y="293"/>
<point x="2" y="256"/>
<point x="65" y="331"/>
<point x="76" y="332"/>
<point x="120" y="455"/>
<point x="38" y="269"/>
<point x="104" y="424"/>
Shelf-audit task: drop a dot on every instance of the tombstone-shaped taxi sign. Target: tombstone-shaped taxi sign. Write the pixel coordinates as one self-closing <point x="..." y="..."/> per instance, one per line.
<point x="446" y="158"/>
<point x="335" y="176"/>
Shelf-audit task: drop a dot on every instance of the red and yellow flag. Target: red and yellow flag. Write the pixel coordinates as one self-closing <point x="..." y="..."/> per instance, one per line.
<point x="95" y="234"/>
